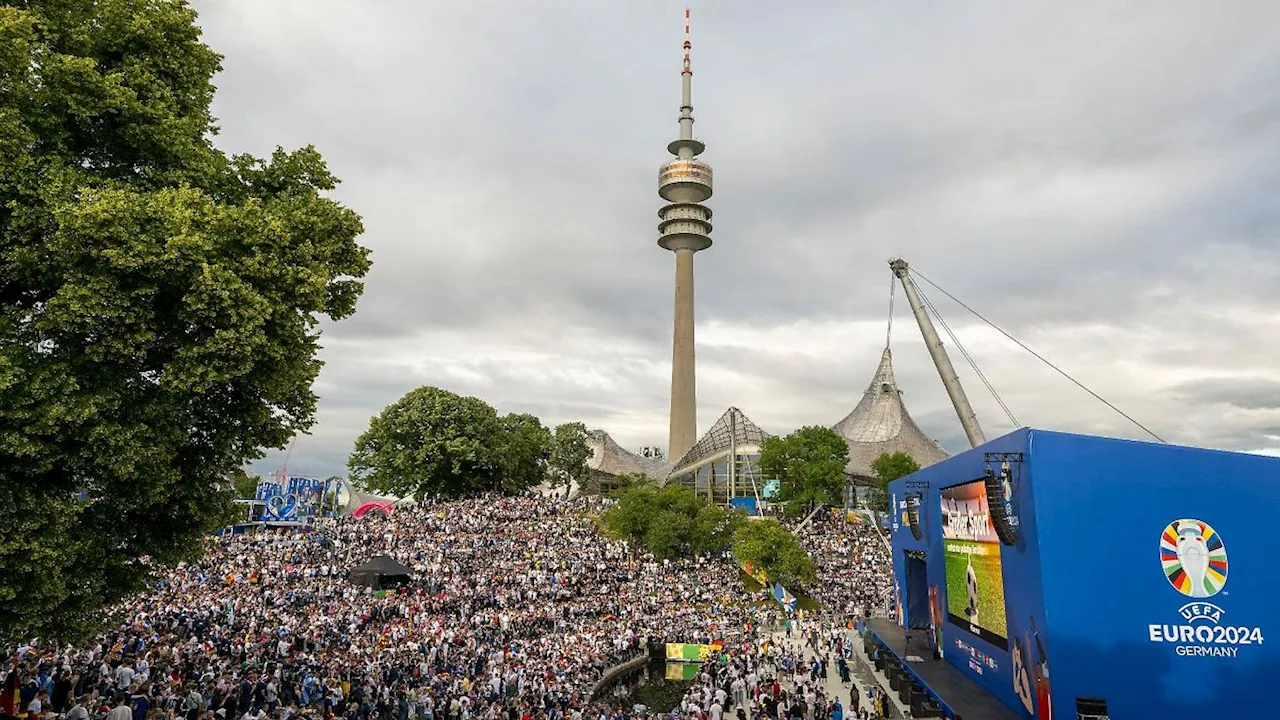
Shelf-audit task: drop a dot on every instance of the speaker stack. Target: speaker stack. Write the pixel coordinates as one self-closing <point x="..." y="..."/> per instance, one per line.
<point x="913" y="516"/>
<point x="1005" y="530"/>
<point x="1091" y="709"/>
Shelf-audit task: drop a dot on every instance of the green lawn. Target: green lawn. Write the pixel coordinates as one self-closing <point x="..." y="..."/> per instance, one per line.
<point x="991" y="610"/>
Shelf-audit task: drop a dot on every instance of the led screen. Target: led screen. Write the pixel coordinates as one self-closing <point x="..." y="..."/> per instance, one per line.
<point x="975" y="584"/>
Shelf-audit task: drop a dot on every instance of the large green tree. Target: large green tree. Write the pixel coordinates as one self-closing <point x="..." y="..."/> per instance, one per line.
<point x="525" y="451"/>
<point x="159" y="302"/>
<point x="569" y="455"/>
<point x="888" y="467"/>
<point x="809" y="464"/>
<point x="434" y="443"/>
<point x="772" y="548"/>
<point x="670" y="521"/>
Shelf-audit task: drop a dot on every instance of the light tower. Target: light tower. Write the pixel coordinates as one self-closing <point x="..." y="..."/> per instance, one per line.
<point x="685" y="183"/>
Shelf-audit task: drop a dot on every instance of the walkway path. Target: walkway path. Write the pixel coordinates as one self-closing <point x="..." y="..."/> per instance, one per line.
<point x="861" y="670"/>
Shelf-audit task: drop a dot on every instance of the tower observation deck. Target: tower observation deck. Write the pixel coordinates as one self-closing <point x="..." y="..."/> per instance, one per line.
<point x="685" y="228"/>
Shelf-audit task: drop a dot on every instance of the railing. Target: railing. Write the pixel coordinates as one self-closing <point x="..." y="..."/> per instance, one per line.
<point x="638" y="659"/>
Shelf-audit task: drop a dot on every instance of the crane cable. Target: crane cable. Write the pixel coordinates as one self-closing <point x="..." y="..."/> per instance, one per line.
<point x="893" y="286"/>
<point x="968" y="358"/>
<point x="1038" y="356"/>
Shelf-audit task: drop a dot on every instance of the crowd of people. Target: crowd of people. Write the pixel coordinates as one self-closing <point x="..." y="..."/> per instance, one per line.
<point x="516" y="608"/>
<point x="852" y="561"/>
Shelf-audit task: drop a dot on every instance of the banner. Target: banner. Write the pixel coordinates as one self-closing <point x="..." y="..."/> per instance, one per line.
<point x="689" y="653"/>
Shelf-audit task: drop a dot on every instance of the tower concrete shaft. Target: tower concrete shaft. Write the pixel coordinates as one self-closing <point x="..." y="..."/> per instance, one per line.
<point x="684" y="228"/>
<point x="683" y="427"/>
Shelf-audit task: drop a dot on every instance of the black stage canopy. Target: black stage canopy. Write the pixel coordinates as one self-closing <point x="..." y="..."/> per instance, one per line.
<point x="381" y="571"/>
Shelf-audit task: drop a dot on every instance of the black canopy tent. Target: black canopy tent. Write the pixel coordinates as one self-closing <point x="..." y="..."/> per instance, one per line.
<point x="381" y="571"/>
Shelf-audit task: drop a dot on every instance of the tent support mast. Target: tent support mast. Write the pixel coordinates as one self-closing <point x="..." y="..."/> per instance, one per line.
<point x="951" y="381"/>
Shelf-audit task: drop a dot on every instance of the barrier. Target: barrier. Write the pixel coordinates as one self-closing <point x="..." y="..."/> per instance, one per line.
<point x="613" y="673"/>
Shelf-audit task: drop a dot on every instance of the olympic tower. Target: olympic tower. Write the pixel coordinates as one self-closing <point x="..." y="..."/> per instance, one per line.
<point x="685" y="228"/>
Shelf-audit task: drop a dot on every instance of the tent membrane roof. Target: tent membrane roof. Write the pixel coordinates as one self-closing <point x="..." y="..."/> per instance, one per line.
<point x="881" y="424"/>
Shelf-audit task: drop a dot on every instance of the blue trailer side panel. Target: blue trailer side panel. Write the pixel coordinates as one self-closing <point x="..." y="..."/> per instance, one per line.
<point x="1158" y="575"/>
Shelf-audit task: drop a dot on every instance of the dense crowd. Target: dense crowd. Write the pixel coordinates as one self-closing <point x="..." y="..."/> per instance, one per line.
<point x="516" y="607"/>
<point x="852" y="562"/>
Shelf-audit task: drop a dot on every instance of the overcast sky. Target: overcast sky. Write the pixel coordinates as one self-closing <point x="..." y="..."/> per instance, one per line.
<point x="1102" y="179"/>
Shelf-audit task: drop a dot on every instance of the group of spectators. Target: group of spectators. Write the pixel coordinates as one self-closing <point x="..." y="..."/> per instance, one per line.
<point x="852" y="561"/>
<point x="516" y="608"/>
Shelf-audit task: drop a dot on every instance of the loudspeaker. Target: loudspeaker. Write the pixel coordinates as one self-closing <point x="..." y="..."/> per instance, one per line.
<point x="913" y="516"/>
<point x="1091" y="709"/>
<point x="918" y="702"/>
<point x="1007" y="533"/>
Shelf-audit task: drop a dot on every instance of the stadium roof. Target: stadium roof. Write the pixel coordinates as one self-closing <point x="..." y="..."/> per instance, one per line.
<point x="881" y="424"/>
<point x="608" y="457"/>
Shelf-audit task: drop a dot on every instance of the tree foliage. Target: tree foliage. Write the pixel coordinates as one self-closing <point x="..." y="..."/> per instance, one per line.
<point x="889" y="467"/>
<point x="244" y="484"/>
<point x="772" y="548"/>
<point x="525" y="448"/>
<point x="670" y="521"/>
<point x="569" y="455"/>
<point x="809" y="464"/>
<point x="892" y="466"/>
<point x="434" y="443"/>
<point x="159" y="302"/>
<point x="623" y="482"/>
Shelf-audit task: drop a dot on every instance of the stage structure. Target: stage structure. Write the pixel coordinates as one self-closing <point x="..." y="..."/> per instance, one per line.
<point x="295" y="500"/>
<point x="1081" y="576"/>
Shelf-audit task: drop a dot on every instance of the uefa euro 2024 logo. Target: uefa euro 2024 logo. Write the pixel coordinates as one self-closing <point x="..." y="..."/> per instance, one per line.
<point x="1194" y="559"/>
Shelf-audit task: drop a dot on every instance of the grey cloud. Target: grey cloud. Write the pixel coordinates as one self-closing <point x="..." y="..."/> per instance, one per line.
<point x="1247" y="393"/>
<point x="1092" y="165"/>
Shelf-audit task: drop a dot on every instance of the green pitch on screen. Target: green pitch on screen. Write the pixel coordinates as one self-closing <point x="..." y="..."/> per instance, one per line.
<point x="991" y="612"/>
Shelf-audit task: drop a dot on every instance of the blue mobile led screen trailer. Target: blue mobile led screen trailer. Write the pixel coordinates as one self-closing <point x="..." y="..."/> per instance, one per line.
<point x="1134" y="579"/>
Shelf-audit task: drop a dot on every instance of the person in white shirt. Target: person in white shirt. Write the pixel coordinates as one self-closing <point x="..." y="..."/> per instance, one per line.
<point x="124" y="677"/>
<point x="121" y="711"/>
<point x="37" y="704"/>
<point x="79" y="711"/>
